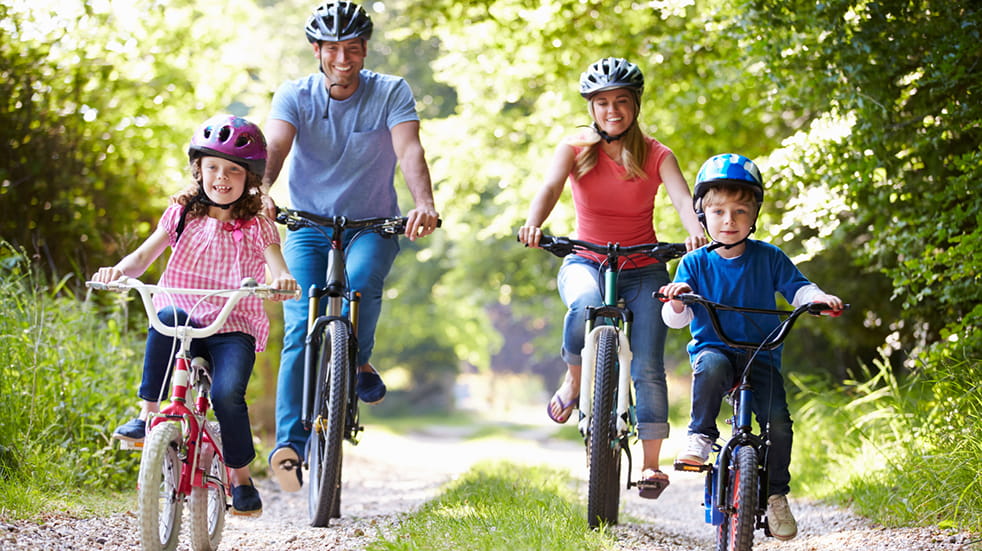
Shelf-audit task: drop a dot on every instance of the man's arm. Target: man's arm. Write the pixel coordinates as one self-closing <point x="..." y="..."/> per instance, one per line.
<point x="409" y="150"/>
<point x="279" y="141"/>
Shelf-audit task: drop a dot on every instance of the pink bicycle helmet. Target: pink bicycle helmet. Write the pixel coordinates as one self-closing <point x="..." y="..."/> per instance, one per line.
<point x="232" y="138"/>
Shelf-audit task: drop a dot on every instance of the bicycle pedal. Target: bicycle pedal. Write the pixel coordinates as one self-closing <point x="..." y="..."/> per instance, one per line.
<point x="130" y="444"/>
<point x="690" y="468"/>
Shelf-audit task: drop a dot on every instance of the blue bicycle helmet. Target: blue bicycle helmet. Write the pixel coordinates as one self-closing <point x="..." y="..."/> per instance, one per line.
<point x="728" y="168"/>
<point x="337" y="22"/>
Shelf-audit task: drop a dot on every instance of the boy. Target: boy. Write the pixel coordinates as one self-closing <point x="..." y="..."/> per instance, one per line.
<point x="733" y="269"/>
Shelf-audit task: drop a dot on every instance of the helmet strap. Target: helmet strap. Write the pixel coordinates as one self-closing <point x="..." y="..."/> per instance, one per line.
<point x="605" y="136"/>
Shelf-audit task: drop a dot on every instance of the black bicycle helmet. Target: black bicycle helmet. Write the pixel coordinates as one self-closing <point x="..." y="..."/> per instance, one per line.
<point x="610" y="73"/>
<point x="337" y="21"/>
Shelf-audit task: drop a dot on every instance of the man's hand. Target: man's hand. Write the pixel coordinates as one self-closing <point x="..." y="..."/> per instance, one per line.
<point x="421" y="222"/>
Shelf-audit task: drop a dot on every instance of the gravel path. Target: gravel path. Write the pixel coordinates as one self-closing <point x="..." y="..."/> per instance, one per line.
<point x="387" y="475"/>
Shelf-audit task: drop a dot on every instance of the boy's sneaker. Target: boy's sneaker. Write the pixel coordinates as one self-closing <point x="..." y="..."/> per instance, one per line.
<point x="246" y="501"/>
<point x="697" y="450"/>
<point x="779" y="518"/>
<point x="133" y="431"/>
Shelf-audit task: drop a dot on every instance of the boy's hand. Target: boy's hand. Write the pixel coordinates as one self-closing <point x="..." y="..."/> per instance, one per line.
<point x="834" y="302"/>
<point x="673" y="290"/>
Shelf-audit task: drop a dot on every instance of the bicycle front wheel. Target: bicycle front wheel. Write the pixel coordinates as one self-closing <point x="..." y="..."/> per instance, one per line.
<point x="158" y="486"/>
<point x="331" y="398"/>
<point x="208" y="504"/>
<point x="604" y="453"/>
<point x="737" y="531"/>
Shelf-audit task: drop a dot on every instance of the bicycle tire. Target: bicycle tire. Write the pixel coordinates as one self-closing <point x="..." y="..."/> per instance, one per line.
<point x="208" y="505"/>
<point x="158" y="497"/>
<point x="603" y="498"/>
<point x="325" y="443"/>
<point x="738" y="526"/>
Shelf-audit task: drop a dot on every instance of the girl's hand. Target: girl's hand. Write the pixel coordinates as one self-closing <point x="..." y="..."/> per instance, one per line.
<point x="284" y="283"/>
<point x="107" y="274"/>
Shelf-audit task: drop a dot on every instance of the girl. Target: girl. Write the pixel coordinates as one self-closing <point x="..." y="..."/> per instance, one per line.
<point x="615" y="171"/>
<point x="218" y="239"/>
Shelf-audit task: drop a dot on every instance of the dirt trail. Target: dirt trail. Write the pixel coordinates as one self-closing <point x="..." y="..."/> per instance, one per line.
<point x="387" y="475"/>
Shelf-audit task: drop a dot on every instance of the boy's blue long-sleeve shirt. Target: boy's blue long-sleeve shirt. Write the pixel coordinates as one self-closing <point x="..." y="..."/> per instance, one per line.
<point x="749" y="280"/>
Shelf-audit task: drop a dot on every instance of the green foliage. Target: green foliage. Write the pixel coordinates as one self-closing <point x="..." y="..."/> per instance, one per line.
<point x="66" y="383"/>
<point x="893" y="89"/>
<point x="911" y="449"/>
<point x="500" y="506"/>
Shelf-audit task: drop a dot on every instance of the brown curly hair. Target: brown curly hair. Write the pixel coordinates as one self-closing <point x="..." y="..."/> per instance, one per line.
<point x="246" y="208"/>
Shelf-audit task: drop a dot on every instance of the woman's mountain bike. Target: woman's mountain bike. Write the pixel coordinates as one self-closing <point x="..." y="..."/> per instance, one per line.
<point x="607" y="416"/>
<point x="737" y="482"/>
<point x="182" y="457"/>
<point x="330" y="405"/>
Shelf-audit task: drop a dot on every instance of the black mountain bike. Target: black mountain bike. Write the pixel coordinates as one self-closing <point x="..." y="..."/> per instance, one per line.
<point x="330" y="405"/>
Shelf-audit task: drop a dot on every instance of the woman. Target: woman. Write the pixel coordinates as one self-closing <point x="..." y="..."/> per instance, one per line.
<point x="615" y="171"/>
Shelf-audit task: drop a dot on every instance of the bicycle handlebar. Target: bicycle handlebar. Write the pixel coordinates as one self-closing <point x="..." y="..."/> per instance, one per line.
<point x="248" y="287"/>
<point x="775" y="340"/>
<point x="296" y="219"/>
<point x="563" y="246"/>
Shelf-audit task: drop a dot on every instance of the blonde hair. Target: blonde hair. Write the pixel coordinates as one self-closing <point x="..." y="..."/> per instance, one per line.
<point x="634" y="154"/>
<point x="723" y="192"/>
<point x="247" y="207"/>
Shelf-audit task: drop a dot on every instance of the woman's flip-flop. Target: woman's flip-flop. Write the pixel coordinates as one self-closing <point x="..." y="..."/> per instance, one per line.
<point x="565" y="409"/>
<point x="653" y="482"/>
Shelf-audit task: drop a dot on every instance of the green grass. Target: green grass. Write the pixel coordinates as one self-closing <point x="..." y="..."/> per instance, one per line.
<point x="498" y="506"/>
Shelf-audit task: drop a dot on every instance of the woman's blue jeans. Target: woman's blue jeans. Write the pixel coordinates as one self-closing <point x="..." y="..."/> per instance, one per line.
<point x="232" y="357"/>
<point x="581" y="285"/>
<point x="715" y="373"/>
<point x="368" y="261"/>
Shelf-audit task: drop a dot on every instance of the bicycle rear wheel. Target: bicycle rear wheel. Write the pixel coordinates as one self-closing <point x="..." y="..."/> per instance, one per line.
<point x="158" y="485"/>
<point x="208" y="505"/>
<point x="603" y="499"/>
<point x="325" y="453"/>
<point x="737" y="531"/>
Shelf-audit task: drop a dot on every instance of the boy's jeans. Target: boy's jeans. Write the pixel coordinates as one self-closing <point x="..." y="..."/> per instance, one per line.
<point x="715" y="373"/>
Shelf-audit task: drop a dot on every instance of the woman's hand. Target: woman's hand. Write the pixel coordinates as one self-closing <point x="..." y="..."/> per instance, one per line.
<point x="530" y="235"/>
<point x="695" y="241"/>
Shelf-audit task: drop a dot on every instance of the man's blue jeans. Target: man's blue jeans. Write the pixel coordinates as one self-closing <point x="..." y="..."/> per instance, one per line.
<point x="715" y="373"/>
<point x="232" y="357"/>
<point x="368" y="260"/>
<point x="580" y="285"/>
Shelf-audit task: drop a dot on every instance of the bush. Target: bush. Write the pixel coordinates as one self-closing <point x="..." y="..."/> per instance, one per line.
<point x="68" y="376"/>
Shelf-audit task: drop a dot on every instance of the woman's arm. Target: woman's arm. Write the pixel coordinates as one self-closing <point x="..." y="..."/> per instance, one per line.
<point x="548" y="195"/>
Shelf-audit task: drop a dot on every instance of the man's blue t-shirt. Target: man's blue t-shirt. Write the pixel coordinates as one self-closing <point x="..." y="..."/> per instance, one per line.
<point x="749" y="280"/>
<point x="343" y="162"/>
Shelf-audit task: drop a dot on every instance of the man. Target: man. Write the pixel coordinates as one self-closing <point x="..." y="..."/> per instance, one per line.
<point x="348" y="128"/>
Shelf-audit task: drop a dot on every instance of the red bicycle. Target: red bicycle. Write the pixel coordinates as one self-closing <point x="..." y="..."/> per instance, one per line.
<point x="182" y="457"/>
